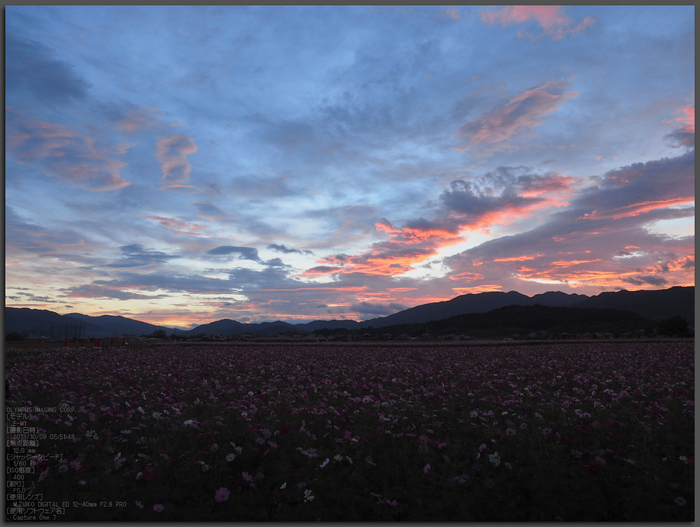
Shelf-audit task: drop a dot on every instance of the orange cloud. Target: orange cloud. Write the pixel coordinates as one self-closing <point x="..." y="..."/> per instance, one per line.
<point x="518" y="258"/>
<point x="178" y="226"/>
<point x="466" y="277"/>
<point x="172" y="153"/>
<point x="636" y="209"/>
<point x="569" y="263"/>
<point x="477" y="289"/>
<point x="64" y="153"/>
<point x="348" y="288"/>
<point x="406" y="247"/>
<point x="551" y="18"/>
<point x="688" y="120"/>
<point x="522" y="111"/>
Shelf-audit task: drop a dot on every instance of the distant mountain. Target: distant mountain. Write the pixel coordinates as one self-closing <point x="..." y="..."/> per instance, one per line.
<point x="472" y="303"/>
<point x="41" y="322"/>
<point x="656" y="305"/>
<point x="227" y="327"/>
<point x="329" y="324"/>
<point x="523" y="320"/>
<point x="111" y="325"/>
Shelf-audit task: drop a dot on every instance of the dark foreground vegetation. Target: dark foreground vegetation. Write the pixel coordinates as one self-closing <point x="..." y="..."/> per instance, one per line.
<point x="570" y="431"/>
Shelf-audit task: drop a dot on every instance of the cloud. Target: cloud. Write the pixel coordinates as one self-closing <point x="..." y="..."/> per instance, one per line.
<point x="178" y="226"/>
<point x="281" y="248"/>
<point x="477" y="204"/>
<point x="406" y="246"/>
<point x="522" y="112"/>
<point x="97" y="291"/>
<point x="551" y="19"/>
<point x="172" y="153"/>
<point x="646" y="279"/>
<point x="171" y="282"/>
<point x="61" y="152"/>
<point x="21" y="234"/>
<point x="137" y="119"/>
<point x="586" y="244"/>
<point x="684" y="136"/>
<point x="641" y="187"/>
<point x="453" y="13"/>
<point x="244" y="253"/>
<point x="31" y="69"/>
<point x="136" y="255"/>
<point x="465" y="206"/>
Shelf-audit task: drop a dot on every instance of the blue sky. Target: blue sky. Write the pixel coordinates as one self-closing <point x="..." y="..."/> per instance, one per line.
<point x="180" y="165"/>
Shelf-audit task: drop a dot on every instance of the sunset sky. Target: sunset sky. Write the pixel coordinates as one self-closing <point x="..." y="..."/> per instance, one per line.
<point x="180" y="165"/>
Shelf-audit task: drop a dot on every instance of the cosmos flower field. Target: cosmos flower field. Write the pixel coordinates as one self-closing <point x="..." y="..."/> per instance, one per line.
<point x="573" y="431"/>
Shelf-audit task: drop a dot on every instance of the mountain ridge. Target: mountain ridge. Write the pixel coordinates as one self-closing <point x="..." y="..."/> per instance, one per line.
<point x="652" y="304"/>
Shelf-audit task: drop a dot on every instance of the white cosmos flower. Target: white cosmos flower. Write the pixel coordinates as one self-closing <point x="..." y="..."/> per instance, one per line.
<point x="230" y="457"/>
<point x="284" y="485"/>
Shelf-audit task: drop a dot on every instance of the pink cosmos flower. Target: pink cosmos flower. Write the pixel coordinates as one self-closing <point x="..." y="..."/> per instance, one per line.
<point x="158" y="508"/>
<point x="680" y="501"/>
<point x="482" y="447"/>
<point x="222" y="494"/>
<point x="510" y="431"/>
<point x="139" y="504"/>
<point x="546" y="431"/>
<point x="247" y="476"/>
<point x="426" y="468"/>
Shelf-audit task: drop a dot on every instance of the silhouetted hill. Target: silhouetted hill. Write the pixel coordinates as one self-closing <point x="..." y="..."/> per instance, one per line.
<point x="471" y="303"/>
<point x="112" y="325"/>
<point x="656" y="305"/>
<point x="41" y="322"/>
<point x="329" y="324"/>
<point x="523" y="320"/>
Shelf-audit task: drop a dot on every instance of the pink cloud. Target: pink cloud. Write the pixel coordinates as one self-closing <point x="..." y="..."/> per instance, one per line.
<point x="685" y="135"/>
<point x="172" y="153"/>
<point x="62" y="152"/>
<point x="688" y="119"/>
<point x="551" y="18"/>
<point x="178" y="226"/>
<point x="453" y="13"/>
<point x="137" y="119"/>
<point x="522" y="112"/>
